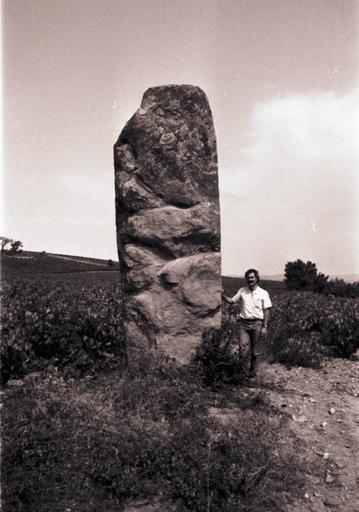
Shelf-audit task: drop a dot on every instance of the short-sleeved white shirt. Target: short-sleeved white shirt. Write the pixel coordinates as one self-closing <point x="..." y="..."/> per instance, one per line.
<point x="252" y="303"/>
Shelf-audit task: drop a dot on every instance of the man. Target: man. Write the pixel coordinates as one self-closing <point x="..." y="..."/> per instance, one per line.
<point x="255" y="304"/>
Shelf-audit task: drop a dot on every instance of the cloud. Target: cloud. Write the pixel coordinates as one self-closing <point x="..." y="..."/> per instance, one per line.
<point x="317" y="126"/>
<point x="300" y="167"/>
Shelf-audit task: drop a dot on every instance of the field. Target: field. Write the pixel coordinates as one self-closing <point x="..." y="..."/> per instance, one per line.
<point x="36" y="264"/>
<point x="83" y="432"/>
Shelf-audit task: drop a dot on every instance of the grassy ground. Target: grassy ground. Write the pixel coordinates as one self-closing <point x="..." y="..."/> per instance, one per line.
<point x="158" y="434"/>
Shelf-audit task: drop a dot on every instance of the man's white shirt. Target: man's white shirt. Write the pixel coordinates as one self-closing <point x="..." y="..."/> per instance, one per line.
<point x="252" y="302"/>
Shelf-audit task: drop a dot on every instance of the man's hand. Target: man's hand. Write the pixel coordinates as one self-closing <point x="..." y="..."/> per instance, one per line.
<point x="264" y="330"/>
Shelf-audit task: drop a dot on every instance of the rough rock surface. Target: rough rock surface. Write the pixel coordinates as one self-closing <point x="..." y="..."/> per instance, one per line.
<point x="168" y="224"/>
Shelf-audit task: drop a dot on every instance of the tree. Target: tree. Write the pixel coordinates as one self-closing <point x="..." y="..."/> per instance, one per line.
<point x="304" y="276"/>
<point x="15" y="246"/>
<point x="4" y="242"/>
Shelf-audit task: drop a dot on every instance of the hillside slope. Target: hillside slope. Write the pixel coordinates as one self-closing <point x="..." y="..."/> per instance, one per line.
<point x="28" y="264"/>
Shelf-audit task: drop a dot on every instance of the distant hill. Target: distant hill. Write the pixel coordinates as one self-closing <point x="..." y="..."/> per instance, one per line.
<point x="30" y="263"/>
<point x="348" y="278"/>
<point x="232" y="284"/>
<point x="274" y="277"/>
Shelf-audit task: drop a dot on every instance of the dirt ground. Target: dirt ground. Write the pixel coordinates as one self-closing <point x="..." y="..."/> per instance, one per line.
<point x="323" y="410"/>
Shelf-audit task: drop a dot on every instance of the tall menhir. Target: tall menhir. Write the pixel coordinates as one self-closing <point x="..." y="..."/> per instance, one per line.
<point x="168" y="223"/>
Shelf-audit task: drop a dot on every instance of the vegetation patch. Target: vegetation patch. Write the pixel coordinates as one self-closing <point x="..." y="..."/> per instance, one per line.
<point x="305" y="325"/>
<point x="108" y="441"/>
<point x="66" y="325"/>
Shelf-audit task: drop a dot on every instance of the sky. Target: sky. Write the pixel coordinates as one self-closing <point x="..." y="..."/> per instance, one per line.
<point x="281" y="78"/>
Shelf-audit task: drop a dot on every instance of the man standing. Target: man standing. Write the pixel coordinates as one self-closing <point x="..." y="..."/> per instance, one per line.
<point x="254" y="303"/>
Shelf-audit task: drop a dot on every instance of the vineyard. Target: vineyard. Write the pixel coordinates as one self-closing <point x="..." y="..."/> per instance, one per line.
<point x="73" y="323"/>
<point x="83" y="429"/>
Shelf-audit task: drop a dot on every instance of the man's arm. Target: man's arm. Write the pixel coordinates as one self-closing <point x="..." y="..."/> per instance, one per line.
<point x="266" y="317"/>
<point x="234" y="299"/>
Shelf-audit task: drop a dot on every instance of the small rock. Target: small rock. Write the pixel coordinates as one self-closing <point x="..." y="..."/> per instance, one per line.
<point x="326" y="455"/>
<point x="299" y="419"/>
<point x="324" y="424"/>
<point x="331" y="410"/>
<point x="332" y="502"/>
<point x="329" y="479"/>
<point x="15" y="383"/>
<point x="317" y="506"/>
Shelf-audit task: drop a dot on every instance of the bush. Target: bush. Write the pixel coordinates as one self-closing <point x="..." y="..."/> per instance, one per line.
<point x="214" y="362"/>
<point x="340" y="288"/>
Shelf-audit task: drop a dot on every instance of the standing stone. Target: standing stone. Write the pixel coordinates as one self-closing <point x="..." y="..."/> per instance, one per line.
<point x="168" y="224"/>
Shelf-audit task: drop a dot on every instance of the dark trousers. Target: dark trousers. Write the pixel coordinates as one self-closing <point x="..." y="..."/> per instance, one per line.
<point x="249" y="333"/>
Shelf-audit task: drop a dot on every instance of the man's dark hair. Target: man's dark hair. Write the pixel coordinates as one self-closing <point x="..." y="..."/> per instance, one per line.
<point x="252" y="271"/>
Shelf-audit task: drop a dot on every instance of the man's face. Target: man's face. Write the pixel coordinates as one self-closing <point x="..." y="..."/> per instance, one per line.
<point x="251" y="280"/>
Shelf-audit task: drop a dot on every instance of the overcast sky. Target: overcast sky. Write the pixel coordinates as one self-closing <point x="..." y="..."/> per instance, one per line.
<point x="281" y="77"/>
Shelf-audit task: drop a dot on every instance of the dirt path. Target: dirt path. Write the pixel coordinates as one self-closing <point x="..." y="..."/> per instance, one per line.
<point x="77" y="260"/>
<point x="323" y="410"/>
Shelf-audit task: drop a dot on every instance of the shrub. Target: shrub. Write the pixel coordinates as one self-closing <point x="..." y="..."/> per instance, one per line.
<point x="341" y="288"/>
<point x="214" y="361"/>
